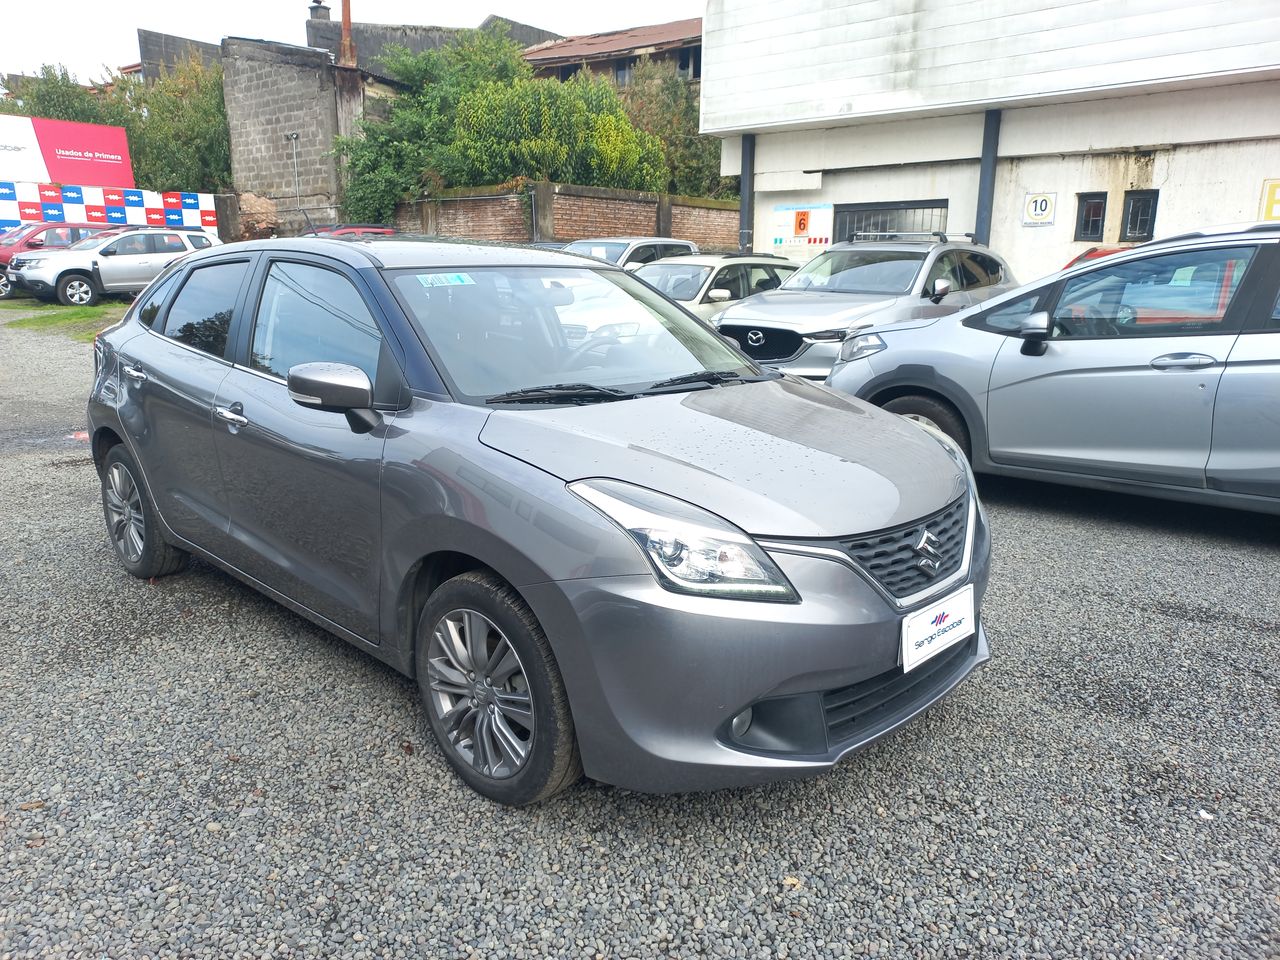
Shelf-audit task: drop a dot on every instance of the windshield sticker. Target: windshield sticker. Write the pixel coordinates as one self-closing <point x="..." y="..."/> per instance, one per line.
<point x="444" y="279"/>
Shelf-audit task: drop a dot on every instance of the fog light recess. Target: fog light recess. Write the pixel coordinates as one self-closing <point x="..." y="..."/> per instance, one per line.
<point x="741" y="723"/>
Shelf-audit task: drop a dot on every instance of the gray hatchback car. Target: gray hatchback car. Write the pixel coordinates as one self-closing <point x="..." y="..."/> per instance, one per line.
<point x="1154" y="371"/>
<point x="637" y="555"/>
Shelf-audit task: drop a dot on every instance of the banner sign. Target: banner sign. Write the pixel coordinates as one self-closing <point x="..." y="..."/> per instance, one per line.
<point x="59" y="151"/>
<point x="109" y="206"/>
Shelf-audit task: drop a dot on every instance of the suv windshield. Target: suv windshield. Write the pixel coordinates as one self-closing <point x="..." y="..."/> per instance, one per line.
<point x="679" y="281"/>
<point x="858" y="271"/>
<point x="496" y="330"/>
<point x="89" y="243"/>
<point x="598" y="249"/>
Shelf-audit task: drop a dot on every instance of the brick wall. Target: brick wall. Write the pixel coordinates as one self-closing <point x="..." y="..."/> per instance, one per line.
<point x="711" y="228"/>
<point x="575" y="217"/>
<point x="559" y="211"/>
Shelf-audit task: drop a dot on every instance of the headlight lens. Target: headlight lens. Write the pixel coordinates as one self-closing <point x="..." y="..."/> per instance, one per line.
<point x="27" y="264"/>
<point x="827" y="335"/>
<point x="690" y="549"/>
<point x="861" y="345"/>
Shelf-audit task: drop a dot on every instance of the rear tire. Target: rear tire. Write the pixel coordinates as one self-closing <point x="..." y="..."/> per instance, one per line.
<point x="6" y="288"/>
<point x="77" y="290"/>
<point x="935" y="413"/>
<point x="132" y="523"/>
<point x="492" y="691"/>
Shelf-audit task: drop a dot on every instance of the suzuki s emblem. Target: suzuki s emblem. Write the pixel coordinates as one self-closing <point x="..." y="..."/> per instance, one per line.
<point x="755" y="338"/>
<point x="930" y="556"/>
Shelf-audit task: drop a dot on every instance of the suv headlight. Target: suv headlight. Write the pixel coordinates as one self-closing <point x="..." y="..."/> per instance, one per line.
<point x="826" y="336"/>
<point x="860" y="345"/>
<point x="28" y="264"/>
<point x="690" y="549"/>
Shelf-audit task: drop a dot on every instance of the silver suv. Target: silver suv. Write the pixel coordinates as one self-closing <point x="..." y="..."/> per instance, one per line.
<point x="630" y="252"/>
<point x="114" y="261"/>
<point x="1153" y="371"/>
<point x="798" y="328"/>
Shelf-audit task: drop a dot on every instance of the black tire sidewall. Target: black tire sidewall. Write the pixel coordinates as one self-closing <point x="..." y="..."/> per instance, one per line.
<point x="491" y="597"/>
<point x="948" y="421"/>
<point x="66" y="281"/>
<point x="153" y="557"/>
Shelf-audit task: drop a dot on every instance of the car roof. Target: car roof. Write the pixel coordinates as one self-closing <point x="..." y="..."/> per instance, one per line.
<point x="915" y="246"/>
<point x="397" y="252"/>
<point x="631" y="240"/>
<point x="720" y="259"/>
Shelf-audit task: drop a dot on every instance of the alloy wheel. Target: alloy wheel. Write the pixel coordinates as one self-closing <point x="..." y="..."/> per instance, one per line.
<point x="125" y="520"/>
<point x="4" y="285"/>
<point x="480" y="693"/>
<point x="921" y="418"/>
<point x="79" y="292"/>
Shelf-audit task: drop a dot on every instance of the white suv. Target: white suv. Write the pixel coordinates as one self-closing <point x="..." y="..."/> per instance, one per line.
<point x="122" y="261"/>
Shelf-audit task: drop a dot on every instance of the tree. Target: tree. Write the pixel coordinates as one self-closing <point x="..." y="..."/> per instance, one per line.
<point x="177" y="126"/>
<point x="660" y="103"/>
<point x="472" y="114"/>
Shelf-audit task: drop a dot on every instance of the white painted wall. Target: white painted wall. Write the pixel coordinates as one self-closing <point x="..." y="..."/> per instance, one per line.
<point x="769" y="65"/>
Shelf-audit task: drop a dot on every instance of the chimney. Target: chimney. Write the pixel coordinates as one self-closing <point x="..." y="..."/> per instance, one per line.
<point x="318" y="10"/>
<point x="347" y="52"/>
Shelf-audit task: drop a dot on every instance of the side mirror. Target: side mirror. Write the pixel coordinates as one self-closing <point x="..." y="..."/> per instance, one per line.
<point x="335" y="388"/>
<point x="719" y="295"/>
<point x="35" y="242"/>
<point x="1034" y="331"/>
<point x="941" y="287"/>
<point x="107" y="252"/>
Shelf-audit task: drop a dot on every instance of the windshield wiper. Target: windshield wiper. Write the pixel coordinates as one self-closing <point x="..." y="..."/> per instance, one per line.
<point x="703" y="376"/>
<point x="560" y="393"/>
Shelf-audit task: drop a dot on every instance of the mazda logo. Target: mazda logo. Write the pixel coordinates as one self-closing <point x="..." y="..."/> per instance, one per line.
<point x="755" y="339"/>
<point x="927" y="547"/>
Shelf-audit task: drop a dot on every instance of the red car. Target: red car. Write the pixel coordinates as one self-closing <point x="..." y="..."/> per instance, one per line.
<point x="39" y="236"/>
<point x="352" y="230"/>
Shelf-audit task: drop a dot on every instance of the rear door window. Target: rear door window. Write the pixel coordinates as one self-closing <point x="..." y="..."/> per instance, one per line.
<point x="167" y="243"/>
<point x="201" y="314"/>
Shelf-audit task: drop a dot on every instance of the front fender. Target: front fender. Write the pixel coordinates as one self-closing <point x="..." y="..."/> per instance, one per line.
<point x="925" y="379"/>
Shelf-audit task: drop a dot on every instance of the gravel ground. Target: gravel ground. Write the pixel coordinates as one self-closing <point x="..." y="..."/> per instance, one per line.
<point x="186" y="769"/>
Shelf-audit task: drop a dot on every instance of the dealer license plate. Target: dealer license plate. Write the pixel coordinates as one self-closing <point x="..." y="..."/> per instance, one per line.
<point x="938" y="626"/>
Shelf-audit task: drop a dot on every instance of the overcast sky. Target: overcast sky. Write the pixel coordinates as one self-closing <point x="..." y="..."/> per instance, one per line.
<point x="86" y="35"/>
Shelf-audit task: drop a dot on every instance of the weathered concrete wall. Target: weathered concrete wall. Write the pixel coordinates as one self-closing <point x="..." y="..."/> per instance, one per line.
<point x="274" y="89"/>
<point x="163" y="51"/>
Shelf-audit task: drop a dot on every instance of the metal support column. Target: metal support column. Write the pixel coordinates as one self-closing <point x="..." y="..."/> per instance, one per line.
<point x="747" y="203"/>
<point x="987" y="176"/>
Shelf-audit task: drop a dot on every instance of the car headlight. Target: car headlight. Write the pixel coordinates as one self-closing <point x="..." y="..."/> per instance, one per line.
<point x="28" y="264"/>
<point x="690" y="549"/>
<point x="824" y="336"/>
<point x="860" y="345"/>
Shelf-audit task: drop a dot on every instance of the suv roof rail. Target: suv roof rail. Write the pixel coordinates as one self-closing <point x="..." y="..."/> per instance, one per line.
<point x="896" y="235"/>
<point x="766" y="256"/>
<point x="1265" y="226"/>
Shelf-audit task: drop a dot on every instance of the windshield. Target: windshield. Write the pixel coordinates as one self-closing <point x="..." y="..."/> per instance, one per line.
<point x="89" y="243"/>
<point x="679" y="281"/>
<point x="858" y="271"/>
<point x="597" y="248"/>
<point x="494" y="330"/>
<point x="17" y="234"/>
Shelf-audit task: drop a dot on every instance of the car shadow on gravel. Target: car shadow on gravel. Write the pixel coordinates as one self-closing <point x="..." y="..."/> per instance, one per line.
<point x="1147" y="512"/>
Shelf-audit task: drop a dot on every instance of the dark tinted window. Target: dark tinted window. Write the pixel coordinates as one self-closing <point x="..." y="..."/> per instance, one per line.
<point x="981" y="270"/>
<point x="167" y="243"/>
<point x="152" y="300"/>
<point x="133" y="245"/>
<point x="308" y="314"/>
<point x="200" y="241"/>
<point x="201" y="315"/>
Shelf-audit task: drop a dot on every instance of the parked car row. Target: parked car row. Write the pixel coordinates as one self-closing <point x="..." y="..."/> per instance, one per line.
<point x="95" y="261"/>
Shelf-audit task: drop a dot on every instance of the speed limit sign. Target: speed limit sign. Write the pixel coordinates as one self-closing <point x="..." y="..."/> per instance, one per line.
<point x="1039" y="209"/>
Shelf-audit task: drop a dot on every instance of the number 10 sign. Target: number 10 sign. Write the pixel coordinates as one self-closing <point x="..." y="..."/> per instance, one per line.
<point x="1038" y="209"/>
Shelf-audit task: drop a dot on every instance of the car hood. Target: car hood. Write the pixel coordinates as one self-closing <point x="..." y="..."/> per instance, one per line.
<point x="780" y="458"/>
<point x="806" y="312"/>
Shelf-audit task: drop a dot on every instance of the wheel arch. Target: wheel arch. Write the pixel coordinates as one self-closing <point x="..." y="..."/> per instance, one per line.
<point x="926" y="382"/>
<point x="104" y="438"/>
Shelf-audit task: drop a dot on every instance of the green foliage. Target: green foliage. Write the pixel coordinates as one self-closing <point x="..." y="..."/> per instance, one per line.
<point x="473" y="114"/>
<point x="660" y="103"/>
<point x="177" y="126"/>
<point x="574" y="132"/>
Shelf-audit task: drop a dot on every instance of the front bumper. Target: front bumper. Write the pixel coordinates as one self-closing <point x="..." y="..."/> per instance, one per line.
<point x="655" y="678"/>
<point x="33" y="281"/>
<point x="813" y="362"/>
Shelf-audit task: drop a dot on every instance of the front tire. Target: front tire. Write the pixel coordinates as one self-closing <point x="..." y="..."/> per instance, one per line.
<point x="77" y="290"/>
<point x="935" y="413"/>
<point x="493" y="693"/>
<point x="131" y="518"/>
<point x="6" y="288"/>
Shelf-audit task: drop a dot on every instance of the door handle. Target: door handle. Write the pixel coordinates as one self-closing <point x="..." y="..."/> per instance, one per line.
<point x="231" y="415"/>
<point x="1183" y="361"/>
<point x="134" y="373"/>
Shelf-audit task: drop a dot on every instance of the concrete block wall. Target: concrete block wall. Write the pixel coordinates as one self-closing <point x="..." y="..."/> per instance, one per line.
<point x="273" y="89"/>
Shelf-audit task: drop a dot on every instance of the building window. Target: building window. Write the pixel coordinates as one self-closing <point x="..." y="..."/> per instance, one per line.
<point x="689" y="66"/>
<point x="569" y="69"/>
<point x="622" y="71"/>
<point x="1091" y="212"/>
<point x="1139" y="214"/>
<point x="877" y="221"/>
